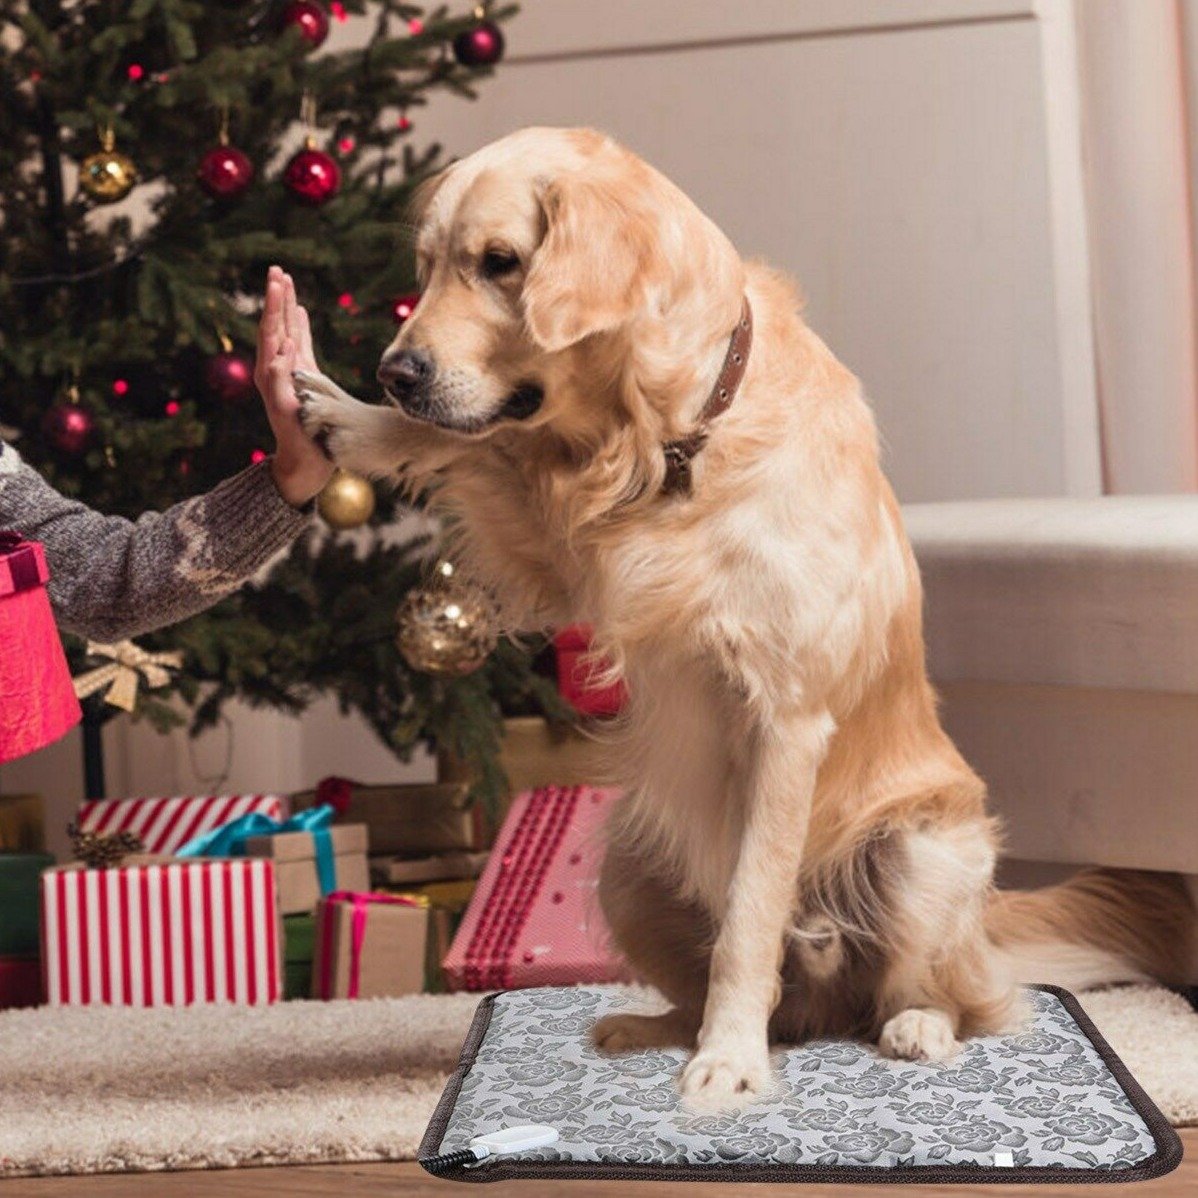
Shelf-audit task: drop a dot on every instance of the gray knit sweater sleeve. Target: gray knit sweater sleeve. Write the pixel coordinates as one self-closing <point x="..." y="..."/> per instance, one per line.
<point x="113" y="578"/>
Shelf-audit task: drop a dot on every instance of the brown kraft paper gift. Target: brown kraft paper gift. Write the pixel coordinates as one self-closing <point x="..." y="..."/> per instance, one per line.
<point x="408" y="819"/>
<point x="369" y="946"/>
<point x="294" y="856"/>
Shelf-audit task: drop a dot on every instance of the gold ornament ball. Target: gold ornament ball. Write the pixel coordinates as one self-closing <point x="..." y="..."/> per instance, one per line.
<point x="347" y="500"/>
<point x="107" y="176"/>
<point x="446" y="628"/>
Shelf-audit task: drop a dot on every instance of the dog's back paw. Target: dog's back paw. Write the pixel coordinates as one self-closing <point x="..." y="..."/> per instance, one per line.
<point x="919" y="1034"/>
<point x="627" y="1033"/>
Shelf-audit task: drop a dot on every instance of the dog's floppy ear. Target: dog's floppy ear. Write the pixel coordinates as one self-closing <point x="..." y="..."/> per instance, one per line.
<point x="422" y="196"/>
<point x="590" y="271"/>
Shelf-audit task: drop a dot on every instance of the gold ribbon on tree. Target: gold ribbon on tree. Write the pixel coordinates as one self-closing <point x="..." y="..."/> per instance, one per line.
<point x="129" y="664"/>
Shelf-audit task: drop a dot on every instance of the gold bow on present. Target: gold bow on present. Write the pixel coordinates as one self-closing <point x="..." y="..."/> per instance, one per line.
<point x="129" y="664"/>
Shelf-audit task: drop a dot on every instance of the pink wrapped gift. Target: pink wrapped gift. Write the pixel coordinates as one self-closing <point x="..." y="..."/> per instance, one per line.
<point x="161" y="934"/>
<point x="164" y="824"/>
<point x="533" y="920"/>
<point x="37" y="698"/>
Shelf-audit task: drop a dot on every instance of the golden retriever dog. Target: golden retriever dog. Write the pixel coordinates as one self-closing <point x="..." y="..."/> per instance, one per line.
<point x="802" y="850"/>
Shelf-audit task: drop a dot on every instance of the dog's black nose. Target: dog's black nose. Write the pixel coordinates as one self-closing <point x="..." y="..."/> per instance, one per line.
<point x="405" y="371"/>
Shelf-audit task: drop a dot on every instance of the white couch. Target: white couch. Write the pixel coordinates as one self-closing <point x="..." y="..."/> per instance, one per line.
<point x="1063" y="638"/>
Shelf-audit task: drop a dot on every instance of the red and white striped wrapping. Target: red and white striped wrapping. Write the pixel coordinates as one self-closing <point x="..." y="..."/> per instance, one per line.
<point x="165" y="824"/>
<point x="204" y="931"/>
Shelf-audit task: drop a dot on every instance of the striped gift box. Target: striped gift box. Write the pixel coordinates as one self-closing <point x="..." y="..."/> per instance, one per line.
<point x="164" y="824"/>
<point x="171" y="934"/>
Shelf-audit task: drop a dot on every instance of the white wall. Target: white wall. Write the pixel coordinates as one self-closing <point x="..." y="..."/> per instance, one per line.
<point x="894" y="157"/>
<point x="256" y="751"/>
<point x="916" y="163"/>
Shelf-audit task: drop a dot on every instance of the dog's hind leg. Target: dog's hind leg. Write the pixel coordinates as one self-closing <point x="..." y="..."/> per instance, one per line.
<point x="624" y="1031"/>
<point x="941" y="984"/>
<point x="666" y="941"/>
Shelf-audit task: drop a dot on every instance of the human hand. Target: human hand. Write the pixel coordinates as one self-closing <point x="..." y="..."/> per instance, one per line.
<point x="299" y="467"/>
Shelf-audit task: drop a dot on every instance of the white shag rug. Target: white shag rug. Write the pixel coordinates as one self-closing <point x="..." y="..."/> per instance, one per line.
<point x="97" y="1090"/>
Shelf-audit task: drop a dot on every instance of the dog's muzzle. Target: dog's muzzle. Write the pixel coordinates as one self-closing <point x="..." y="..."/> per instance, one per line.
<point x="409" y="380"/>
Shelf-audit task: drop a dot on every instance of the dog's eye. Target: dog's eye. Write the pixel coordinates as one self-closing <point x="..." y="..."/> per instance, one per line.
<point x="498" y="263"/>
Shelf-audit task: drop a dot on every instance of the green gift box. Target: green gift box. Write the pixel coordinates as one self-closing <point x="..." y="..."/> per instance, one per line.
<point x="299" y="935"/>
<point x="19" y="890"/>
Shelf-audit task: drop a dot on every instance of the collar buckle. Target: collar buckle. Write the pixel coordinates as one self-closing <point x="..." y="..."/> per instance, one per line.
<point x="680" y="454"/>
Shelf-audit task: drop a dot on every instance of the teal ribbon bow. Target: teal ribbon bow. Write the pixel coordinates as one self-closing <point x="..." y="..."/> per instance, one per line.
<point x="229" y="839"/>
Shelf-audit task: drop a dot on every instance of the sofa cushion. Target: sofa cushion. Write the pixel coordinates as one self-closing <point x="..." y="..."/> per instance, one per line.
<point x="1070" y="592"/>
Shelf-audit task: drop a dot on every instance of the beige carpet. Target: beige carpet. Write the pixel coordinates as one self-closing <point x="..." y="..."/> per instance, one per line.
<point x="108" y="1089"/>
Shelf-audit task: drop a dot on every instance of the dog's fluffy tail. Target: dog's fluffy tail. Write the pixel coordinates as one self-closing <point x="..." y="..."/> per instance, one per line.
<point x="1100" y="926"/>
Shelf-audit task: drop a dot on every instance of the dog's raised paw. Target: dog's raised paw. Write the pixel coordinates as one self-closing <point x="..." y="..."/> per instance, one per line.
<point x="918" y="1035"/>
<point x="716" y="1081"/>
<point x="320" y="402"/>
<point x="313" y="382"/>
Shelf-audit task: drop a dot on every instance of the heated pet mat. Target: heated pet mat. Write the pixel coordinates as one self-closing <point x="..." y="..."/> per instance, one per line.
<point x="1052" y="1103"/>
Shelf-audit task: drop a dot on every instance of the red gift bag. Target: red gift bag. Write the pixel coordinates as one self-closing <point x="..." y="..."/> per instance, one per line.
<point x="37" y="698"/>
<point x="577" y="676"/>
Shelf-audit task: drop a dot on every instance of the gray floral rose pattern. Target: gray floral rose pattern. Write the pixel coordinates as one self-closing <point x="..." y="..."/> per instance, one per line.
<point x="866" y="1145"/>
<point x="1043" y="1097"/>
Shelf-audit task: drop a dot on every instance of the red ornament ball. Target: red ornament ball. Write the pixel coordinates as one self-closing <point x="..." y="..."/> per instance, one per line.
<point x="309" y="18"/>
<point x="405" y="306"/>
<point x="230" y="377"/>
<point x="68" y="427"/>
<point x="225" y="172"/>
<point x="481" y="46"/>
<point x="313" y="176"/>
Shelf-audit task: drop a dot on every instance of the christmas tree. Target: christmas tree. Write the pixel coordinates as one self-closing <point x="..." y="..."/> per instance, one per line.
<point x="125" y="345"/>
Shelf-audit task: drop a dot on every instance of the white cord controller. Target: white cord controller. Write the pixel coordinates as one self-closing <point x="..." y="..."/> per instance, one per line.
<point x="513" y="1139"/>
<point x="505" y="1141"/>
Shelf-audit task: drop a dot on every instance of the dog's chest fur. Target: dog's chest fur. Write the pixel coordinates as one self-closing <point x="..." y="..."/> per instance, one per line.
<point x="720" y="617"/>
<point x="768" y="613"/>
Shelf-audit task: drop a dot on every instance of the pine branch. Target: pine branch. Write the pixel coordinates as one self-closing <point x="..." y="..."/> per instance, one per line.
<point x="137" y="316"/>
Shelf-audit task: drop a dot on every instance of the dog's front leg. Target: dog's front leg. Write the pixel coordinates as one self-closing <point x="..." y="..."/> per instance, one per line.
<point x="731" y="1067"/>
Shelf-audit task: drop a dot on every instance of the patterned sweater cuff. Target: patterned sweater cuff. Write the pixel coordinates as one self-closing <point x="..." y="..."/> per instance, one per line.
<point x="249" y="521"/>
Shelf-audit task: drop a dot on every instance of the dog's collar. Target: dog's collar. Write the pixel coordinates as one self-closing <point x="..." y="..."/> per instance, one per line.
<point x="680" y="454"/>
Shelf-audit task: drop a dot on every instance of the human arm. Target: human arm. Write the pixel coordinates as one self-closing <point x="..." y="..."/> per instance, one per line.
<point x="113" y="578"/>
